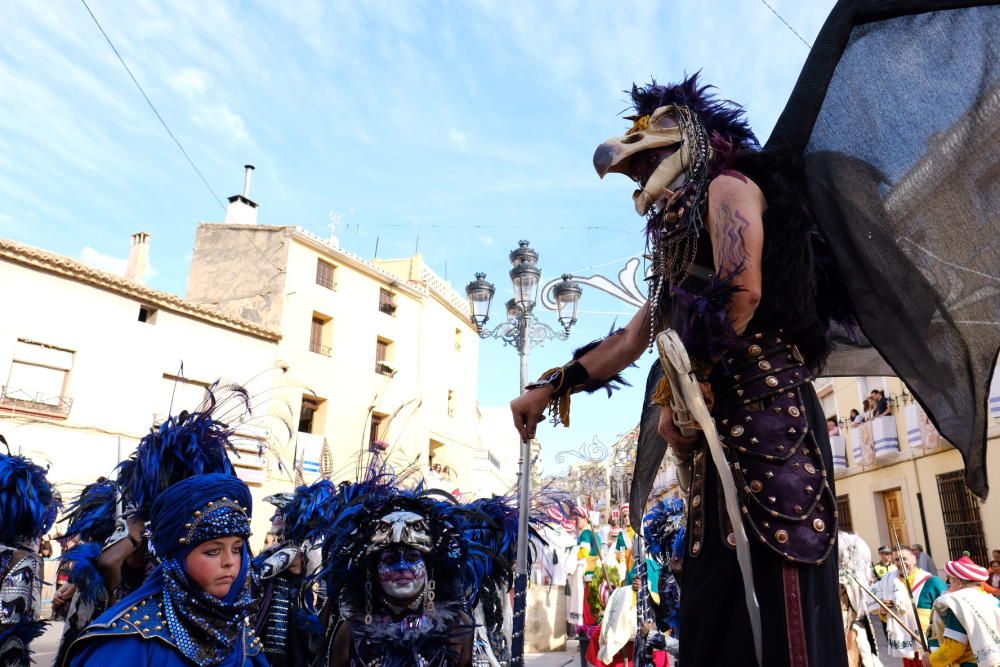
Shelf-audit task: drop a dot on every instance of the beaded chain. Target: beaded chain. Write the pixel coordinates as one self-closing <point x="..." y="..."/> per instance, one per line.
<point x="675" y="250"/>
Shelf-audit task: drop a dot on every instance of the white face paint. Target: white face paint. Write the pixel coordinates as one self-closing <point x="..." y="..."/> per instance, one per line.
<point x="402" y="573"/>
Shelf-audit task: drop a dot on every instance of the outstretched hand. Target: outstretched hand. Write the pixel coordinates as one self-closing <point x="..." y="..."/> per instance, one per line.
<point x="528" y="409"/>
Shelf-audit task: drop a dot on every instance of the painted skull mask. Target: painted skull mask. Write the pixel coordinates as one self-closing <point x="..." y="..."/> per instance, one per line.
<point x="655" y="153"/>
<point x="402" y="572"/>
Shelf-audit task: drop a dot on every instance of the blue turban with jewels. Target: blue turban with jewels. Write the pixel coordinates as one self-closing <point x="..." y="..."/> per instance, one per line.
<point x="198" y="509"/>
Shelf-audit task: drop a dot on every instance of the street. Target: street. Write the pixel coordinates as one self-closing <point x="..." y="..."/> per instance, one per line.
<point x="46" y="646"/>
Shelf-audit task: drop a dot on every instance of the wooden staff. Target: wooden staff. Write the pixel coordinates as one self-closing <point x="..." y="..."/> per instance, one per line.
<point x="885" y="608"/>
<point x="909" y="591"/>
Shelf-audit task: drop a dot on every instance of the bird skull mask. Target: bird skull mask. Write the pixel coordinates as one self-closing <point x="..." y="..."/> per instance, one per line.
<point x="655" y="153"/>
<point x="401" y="528"/>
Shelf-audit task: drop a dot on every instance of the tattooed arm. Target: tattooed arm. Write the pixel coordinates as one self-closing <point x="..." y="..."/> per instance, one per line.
<point x="735" y="210"/>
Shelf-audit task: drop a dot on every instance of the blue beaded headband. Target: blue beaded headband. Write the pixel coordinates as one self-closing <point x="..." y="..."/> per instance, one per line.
<point x="220" y="518"/>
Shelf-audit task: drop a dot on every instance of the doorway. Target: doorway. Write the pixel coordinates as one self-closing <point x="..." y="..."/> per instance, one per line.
<point x="895" y="516"/>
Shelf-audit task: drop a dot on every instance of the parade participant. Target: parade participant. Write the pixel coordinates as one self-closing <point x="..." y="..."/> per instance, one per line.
<point x="924" y="560"/>
<point x="755" y="320"/>
<point x="966" y="619"/>
<point x="193" y="607"/>
<point x="665" y="539"/>
<point x="191" y="443"/>
<point x="855" y="572"/>
<point x="884" y="563"/>
<point x="404" y="569"/>
<point x="914" y="610"/>
<point x="28" y="508"/>
<point x="285" y="621"/>
<point x="84" y="596"/>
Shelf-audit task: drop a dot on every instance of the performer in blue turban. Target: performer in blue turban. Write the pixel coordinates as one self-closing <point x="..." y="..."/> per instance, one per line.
<point x="193" y="607"/>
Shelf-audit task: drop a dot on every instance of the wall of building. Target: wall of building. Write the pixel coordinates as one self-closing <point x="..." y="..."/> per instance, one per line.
<point x="240" y="270"/>
<point x="116" y="381"/>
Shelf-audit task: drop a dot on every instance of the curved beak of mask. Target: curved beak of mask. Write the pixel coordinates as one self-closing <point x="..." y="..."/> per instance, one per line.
<point x="651" y="153"/>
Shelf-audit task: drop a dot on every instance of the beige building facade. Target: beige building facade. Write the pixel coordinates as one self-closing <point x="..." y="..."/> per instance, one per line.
<point x="896" y="476"/>
<point x="379" y="355"/>
<point x="90" y="361"/>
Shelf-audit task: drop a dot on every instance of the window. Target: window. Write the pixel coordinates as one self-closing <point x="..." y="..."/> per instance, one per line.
<point x="383" y="357"/>
<point x="458" y="340"/>
<point x="147" y="314"/>
<point x="451" y="402"/>
<point x="844" y="514"/>
<point x="963" y="525"/>
<point x="311" y="415"/>
<point x="387" y="302"/>
<point x="38" y="379"/>
<point x="326" y="275"/>
<point x="377" y="433"/>
<point x="320" y="335"/>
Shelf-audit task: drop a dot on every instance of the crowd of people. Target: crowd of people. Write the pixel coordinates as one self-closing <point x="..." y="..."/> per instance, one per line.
<point x="876" y="405"/>
<point x="157" y="567"/>
<point x="926" y="618"/>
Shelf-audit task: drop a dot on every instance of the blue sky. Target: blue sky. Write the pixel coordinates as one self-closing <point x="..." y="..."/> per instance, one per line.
<point x="458" y="127"/>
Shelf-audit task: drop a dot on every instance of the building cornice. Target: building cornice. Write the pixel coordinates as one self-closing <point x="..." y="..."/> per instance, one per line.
<point x="72" y="269"/>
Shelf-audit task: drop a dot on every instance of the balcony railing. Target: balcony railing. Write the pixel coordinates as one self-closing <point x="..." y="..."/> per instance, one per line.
<point x="327" y="282"/>
<point x="319" y="348"/>
<point x="387" y="307"/>
<point x="22" y="399"/>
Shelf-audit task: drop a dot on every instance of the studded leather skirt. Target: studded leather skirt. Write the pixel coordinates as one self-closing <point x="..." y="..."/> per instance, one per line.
<point x="772" y="427"/>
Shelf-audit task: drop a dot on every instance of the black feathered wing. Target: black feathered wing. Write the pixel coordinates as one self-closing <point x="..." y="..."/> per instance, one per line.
<point x="897" y="116"/>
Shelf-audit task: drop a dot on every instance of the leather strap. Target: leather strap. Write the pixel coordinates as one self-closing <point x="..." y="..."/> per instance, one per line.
<point x="797" y="656"/>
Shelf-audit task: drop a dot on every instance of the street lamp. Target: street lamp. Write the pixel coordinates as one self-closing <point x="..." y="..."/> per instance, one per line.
<point x="523" y="332"/>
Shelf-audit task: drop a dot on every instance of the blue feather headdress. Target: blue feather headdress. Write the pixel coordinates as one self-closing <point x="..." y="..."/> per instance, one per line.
<point x="192" y="443"/>
<point x="83" y="571"/>
<point x="310" y="512"/>
<point x="663" y="530"/>
<point x="92" y="515"/>
<point x="28" y="505"/>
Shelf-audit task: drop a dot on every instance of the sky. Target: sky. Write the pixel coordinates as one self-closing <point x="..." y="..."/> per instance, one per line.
<point x="450" y="128"/>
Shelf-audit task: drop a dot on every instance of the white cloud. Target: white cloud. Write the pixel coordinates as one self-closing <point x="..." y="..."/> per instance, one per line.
<point x="109" y="263"/>
<point x="104" y="262"/>
<point x="6" y="219"/>
<point x="459" y="138"/>
<point x="485" y="240"/>
<point x="190" y="82"/>
<point x="220" y="118"/>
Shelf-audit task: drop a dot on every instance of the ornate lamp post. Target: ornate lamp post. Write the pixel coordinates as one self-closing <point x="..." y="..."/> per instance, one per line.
<point x="523" y="332"/>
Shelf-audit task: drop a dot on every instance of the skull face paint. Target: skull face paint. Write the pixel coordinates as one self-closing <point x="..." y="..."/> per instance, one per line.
<point x="653" y="153"/>
<point x="402" y="573"/>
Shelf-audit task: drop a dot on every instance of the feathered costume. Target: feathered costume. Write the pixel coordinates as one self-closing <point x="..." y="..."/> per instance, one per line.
<point x="91" y="518"/>
<point x="28" y="508"/>
<point x="188" y="444"/>
<point x="286" y="621"/>
<point x="171" y="620"/>
<point x="466" y="555"/>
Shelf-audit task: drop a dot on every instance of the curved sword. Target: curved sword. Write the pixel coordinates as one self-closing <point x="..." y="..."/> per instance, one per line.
<point x="686" y="389"/>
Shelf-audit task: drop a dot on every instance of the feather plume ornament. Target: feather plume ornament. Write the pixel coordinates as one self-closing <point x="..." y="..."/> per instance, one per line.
<point x="705" y="327"/>
<point x="83" y="571"/>
<point x="191" y="443"/>
<point x="310" y="512"/>
<point x="663" y="530"/>
<point x="15" y="640"/>
<point x="91" y="516"/>
<point x="617" y="381"/>
<point x="28" y="504"/>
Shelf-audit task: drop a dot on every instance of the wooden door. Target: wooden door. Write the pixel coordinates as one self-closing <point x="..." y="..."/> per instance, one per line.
<point x="895" y="517"/>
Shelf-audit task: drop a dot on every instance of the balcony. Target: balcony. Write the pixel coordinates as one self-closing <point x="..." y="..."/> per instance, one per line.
<point x="387" y="307"/>
<point x="22" y="400"/>
<point x="319" y="348"/>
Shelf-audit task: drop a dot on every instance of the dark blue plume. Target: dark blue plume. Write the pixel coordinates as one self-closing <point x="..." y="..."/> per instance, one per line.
<point x="19" y="652"/>
<point x="92" y="514"/>
<point x="310" y="513"/>
<point x="192" y="443"/>
<point x="83" y="572"/>
<point x="720" y="117"/>
<point x="663" y="529"/>
<point x="28" y="506"/>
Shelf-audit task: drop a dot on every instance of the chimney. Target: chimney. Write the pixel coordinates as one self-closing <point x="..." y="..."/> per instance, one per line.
<point x="138" y="258"/>
<point x="242" y="210"/>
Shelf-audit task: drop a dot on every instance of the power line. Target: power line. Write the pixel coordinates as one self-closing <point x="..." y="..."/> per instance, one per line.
<point x="153" y="107"/>
<point x="787" y="25"/>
